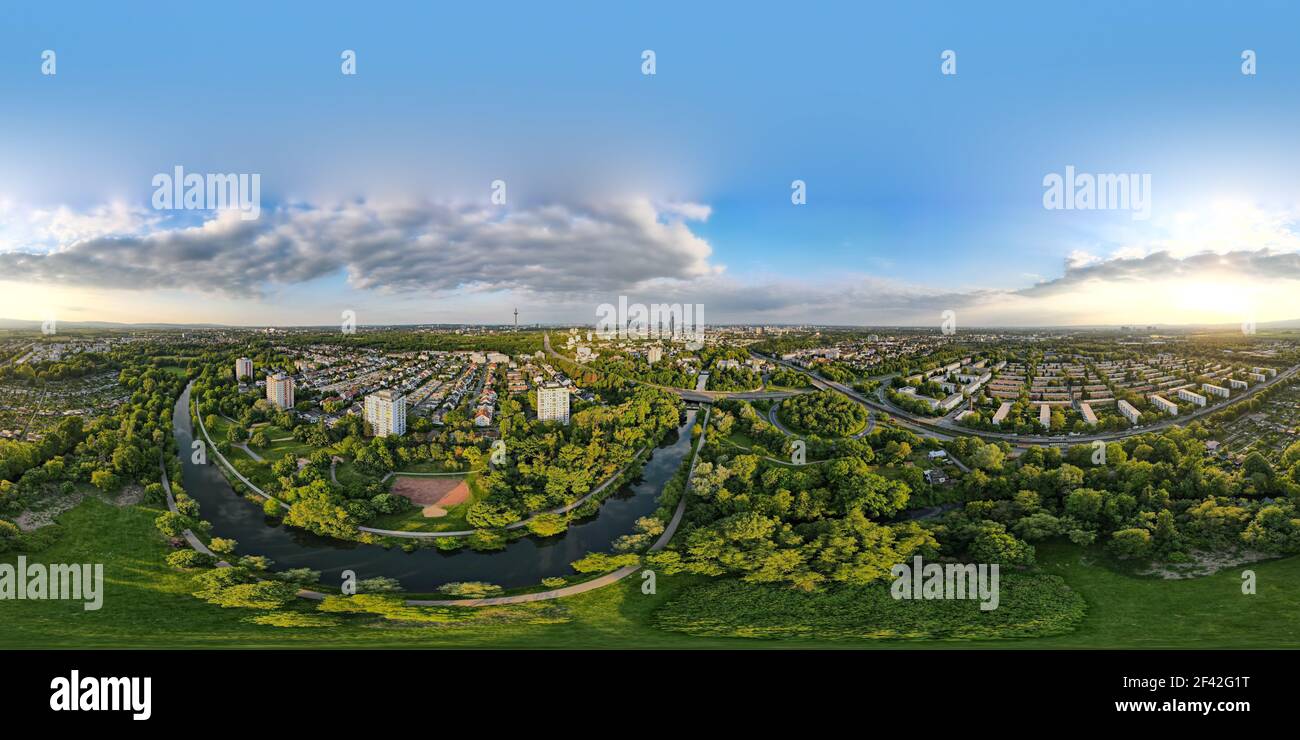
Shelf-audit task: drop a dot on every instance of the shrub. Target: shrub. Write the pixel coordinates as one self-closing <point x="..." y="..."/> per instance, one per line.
<point x="547" y="525"/>
<point x="470" y="589"/>
<point x="294" y="619"/>
<point x="187" y="559"/>
<point x="379" y="585"/>
<point x="600" y="562"/>
<point x="222" y="546"/>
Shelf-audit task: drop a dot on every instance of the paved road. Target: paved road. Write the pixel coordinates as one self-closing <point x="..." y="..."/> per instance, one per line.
<point x="775" y="420"/>
<point x="683" y="393"/>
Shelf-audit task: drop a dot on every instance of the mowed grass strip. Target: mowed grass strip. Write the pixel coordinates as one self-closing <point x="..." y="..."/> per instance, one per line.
<point x="148" y="604"/>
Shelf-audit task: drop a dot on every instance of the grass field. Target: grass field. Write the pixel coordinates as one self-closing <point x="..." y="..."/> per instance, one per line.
<point x="148" y="604"/>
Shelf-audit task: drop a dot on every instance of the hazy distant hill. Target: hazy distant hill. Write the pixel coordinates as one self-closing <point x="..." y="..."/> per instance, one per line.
<point x="36" y="325"/>
<point x="24" y="324"/>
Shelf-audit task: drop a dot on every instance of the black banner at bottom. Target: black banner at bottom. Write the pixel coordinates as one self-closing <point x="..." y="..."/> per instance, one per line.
<point x="147" y="689"/>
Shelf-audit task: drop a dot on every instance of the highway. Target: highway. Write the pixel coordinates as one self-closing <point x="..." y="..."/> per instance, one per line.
<point x="943" y="429"/>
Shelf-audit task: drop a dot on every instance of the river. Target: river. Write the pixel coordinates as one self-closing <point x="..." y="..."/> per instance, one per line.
<point x="523" y="562"/>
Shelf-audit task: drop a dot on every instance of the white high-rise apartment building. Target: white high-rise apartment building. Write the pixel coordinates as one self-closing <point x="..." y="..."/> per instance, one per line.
<point x="386" y="413"/>
<point x="1129" y="411"/>
<point x="655" y="354"/>
<point x="553" y="403"/>
<point x="243" y="368"/>
<point x="279" y="390"/>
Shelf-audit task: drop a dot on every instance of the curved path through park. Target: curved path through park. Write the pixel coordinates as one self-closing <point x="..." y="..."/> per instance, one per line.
<point x="601" y="581"/>
<point x="425" y="535"/>
<point x="513" y="525"/>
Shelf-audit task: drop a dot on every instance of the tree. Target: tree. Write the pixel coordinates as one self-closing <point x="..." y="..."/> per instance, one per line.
<point x="222" y="546"/>
<point x="321" y="516"/>
<point x="994" y="545"/>
<point x="104" y="480"/>
<point x="258" y="595"/>
<point x="987" y="457"/>
<point x="856" y="487"/>
<point x="189" y="559"/>
<point x="128" y="460"/>
<point x="488" y="514"/>
<point x="600" y="562"/>
<point x="1084" y="504"/>
<point x="1038" y="526"/>
<point x="172" y="524"/>
<point x="546" y="525"/>
<point x="1291" y="455"/>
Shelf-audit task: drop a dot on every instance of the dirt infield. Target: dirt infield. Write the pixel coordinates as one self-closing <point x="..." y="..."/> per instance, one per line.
<point x="434" y="495"/>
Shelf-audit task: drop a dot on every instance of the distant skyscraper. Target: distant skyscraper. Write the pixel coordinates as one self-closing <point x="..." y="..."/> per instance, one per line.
<point x="516" y="319"/>
<point x="243" y="368"/>
<point x="655" y="354"/>
<point x="386" y="412"/>
<point x="553" y="403"/>
<point x="279" y="390"/>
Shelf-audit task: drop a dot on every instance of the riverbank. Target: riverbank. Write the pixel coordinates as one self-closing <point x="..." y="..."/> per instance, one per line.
<point x="147" y="604"/>
<point x="523" y="562"/>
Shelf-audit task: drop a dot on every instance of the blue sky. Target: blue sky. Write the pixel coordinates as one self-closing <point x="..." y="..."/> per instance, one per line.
<point x="924" y="190"/>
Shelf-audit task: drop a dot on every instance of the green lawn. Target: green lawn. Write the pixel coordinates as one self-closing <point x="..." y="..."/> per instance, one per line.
<point x="148" y="604"/>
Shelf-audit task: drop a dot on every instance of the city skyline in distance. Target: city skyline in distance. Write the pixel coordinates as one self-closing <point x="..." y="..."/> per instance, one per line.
<point x="8" y="324"/>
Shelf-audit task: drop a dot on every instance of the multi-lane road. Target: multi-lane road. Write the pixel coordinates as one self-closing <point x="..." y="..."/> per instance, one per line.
<point x="946" y="429"/>
<point x="942" y="428"/>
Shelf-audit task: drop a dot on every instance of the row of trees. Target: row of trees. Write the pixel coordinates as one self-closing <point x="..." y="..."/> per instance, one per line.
<point x="1150" y="496"/>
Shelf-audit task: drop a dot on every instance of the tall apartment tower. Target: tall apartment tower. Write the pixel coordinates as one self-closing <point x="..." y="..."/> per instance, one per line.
<point x="279" y="390"/>
<point x="553" y="403"/>
<point x="243" y="368"/>
<point x="386" y="413"/>
<point x="655" y="354"/>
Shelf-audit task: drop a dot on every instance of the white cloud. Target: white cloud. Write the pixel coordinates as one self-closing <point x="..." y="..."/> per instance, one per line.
<point x="435" y="247"/>
<point x="451" y="259"/>
<point x="1080" y="258"/>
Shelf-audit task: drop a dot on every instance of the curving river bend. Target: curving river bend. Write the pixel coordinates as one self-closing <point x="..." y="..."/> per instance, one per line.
<point x="524" y="562"/>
